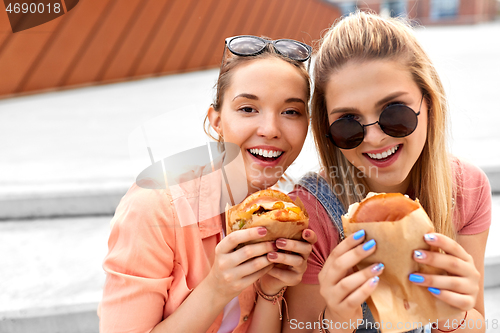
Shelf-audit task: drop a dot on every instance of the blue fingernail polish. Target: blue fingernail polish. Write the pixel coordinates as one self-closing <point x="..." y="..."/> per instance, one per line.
<point x="430" y="237"/>
<point x="419" y="255"/>
<point x="435" y="291"/>
<point x="368" y="245"/>
<point x="378" y="268"/>
<point x="359" y="234"/>
<point x="416" y="278"/>
<point x="374" y="280"/>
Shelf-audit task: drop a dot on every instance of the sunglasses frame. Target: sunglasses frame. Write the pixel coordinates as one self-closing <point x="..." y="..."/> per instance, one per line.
<point x="273" y="42"/>
<point x="328" y="135"/>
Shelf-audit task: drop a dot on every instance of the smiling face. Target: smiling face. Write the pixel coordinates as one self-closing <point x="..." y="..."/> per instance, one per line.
<point x="361" y="90"/>
<point x="264" y="112"/>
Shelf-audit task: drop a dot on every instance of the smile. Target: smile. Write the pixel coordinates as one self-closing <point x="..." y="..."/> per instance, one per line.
<point x="265" y="154"/>
<point x="384" y="154"/>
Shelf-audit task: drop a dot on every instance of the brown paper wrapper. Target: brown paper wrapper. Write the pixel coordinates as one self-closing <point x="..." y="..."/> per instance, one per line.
<point x="396" y="300"/>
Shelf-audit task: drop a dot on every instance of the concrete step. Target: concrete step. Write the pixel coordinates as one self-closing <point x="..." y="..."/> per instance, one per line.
<point x="81" y="318"/>
<point x="52" y="279"/>
<point x="91" y="199"/>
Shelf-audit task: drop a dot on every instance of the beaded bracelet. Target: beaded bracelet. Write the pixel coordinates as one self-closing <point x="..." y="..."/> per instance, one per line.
<point x="453" y="330"/>
<point x="273" y="299"/>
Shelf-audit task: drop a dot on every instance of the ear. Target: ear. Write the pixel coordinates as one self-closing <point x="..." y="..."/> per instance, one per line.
<point x="215" y="120"/>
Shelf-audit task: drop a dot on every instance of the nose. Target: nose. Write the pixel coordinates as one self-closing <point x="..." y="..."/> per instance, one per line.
<point x="374" y="134"/>
<point x="269" y="127"/>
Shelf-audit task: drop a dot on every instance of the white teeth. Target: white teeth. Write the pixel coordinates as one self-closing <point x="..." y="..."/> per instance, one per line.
<point x="380" y="156"/>
<point x="266" y="153"/>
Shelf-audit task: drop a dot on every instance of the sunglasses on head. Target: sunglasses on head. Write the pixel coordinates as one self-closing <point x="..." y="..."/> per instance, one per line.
<point x="246" y="45"/>
<point x="396" y="120"/>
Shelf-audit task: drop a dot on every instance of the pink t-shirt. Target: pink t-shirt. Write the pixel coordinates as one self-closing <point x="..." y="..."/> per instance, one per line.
<point x="473" y="209"/>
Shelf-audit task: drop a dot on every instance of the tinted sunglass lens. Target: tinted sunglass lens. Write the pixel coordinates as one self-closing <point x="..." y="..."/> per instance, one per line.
<point x="398" y="121"/>
<point x="292" y="49"/>
<point x="346" y="133"/>
<point x="246" y="45"/>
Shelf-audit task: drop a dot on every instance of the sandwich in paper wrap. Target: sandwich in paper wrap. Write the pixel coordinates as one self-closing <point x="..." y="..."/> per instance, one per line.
<point x="397" y="304"/>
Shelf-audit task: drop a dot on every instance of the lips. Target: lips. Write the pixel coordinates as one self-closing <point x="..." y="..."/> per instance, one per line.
<point x="384" y="154"/>
<point x="265" y="154"/>
<point x="377" y="157"/>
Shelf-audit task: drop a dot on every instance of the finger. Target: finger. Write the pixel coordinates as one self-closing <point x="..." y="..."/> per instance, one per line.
<point x="250" y="279"/>
<point x="251" y="266"/>
<point x="463" y="302"/>
<point x="250" y="251"/>
<point x="451" y="283"/>
<point x="448" y="245"/>
<point x="355" y="299"/>
<point x="449" y="263"/>
<point x="337" y="268"/>
<point x="301" y="248"/>
<point x="353" y="257"/>
<point x="288" y="277"/>
<point x="349" y="243"/>
<point x="231" y="241"/>
<point x="310" y="236"/>
<point x="353" y="282"/>
<point x="296" y="262"/>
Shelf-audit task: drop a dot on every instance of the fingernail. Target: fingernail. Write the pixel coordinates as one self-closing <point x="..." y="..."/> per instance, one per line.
<point x="416" y="278"/>
<point x="374" y="280"/>
<point x="430" y="237"/>
<point x="368" y="245"/>
<point x="419" y="255"/>
<point x="272" y="255"/>
<point x="307" y="234"/>
<point x="359" y="234"/>
<point x="275" y="248"/>
<point x="262" y="231"/>
<point x="435" y="291"/>
<point x="378" y="268"/>
<point x="281" y="242"/>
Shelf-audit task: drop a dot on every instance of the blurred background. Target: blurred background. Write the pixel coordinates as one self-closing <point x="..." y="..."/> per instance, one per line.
<point x="75" y="91"/>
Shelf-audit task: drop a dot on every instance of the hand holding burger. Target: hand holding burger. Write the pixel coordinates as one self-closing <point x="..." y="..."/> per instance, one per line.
<point x="271" y="209"/>
<point x="286" y="223"/>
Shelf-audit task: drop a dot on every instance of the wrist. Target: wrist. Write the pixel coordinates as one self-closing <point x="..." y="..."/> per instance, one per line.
<point x="267" y="289"/>
<point x="327" y="323"/>
<point x="217" y="294"/>
<point x="449" y="325"/>
<point x="275" y="299"/>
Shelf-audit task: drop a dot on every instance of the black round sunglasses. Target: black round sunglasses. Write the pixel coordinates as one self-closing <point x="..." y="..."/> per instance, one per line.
<point x="396" y="120"/>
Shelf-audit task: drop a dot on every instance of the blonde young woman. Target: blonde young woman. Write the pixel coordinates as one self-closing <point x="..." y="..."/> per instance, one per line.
<point x="170" y="266"/>
<point x="379" y="116"/>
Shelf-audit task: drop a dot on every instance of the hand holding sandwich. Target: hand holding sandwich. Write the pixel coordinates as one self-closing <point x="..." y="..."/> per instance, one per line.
<point x="460" y="287"/>
<point x="343" y="289"/>
<point x="401" y="226"/>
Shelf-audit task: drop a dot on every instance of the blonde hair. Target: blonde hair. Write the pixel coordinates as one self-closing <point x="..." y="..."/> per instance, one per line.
<point x="363" y="36"/>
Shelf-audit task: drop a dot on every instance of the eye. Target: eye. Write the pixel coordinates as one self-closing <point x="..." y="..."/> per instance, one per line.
<point x="395" y="103"/>
<point x="292" y="112"/>
<point x="247" y="109"/>
<point x="349" y="116"/>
